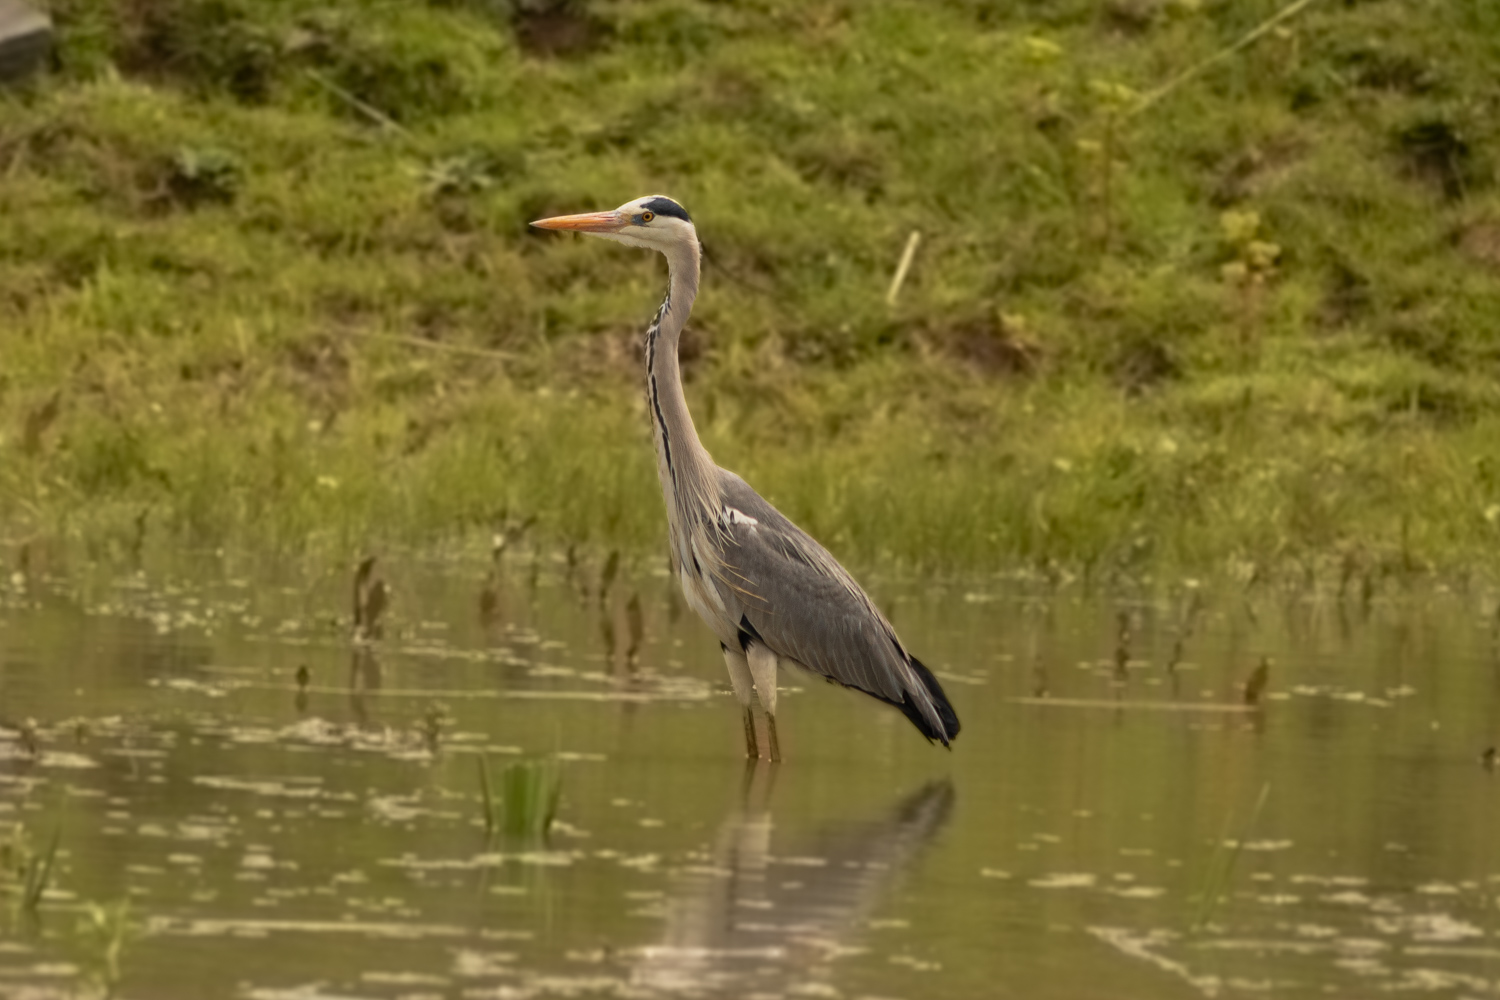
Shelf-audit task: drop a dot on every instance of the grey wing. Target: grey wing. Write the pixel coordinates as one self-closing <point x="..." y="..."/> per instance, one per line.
<point x="802" y="604"/>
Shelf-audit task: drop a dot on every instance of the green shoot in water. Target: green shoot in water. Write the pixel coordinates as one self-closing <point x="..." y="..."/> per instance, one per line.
<point x="527" y="803"/>
<point x="486" y="797"/>
<point x="1221" y="864"/>
<point x="104" y="928"/>
<point x="32" y="870"/>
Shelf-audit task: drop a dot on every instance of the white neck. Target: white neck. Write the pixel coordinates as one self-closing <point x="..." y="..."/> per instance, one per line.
<point x="688" y="476"/>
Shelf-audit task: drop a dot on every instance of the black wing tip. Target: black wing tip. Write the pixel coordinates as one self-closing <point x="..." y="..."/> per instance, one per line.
<point x="748" y="634"/>
<point x="946" y="715"/>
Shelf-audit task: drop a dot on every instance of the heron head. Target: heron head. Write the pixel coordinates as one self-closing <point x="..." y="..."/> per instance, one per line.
<point x="654" y="222"/>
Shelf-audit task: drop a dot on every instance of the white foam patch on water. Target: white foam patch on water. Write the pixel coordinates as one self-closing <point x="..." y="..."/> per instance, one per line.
<point x="49" y="970"/>
<point x="1315" y="931"/>
<point x="404" y="979"/>
<point x="292" y="788"/>
<point x="1139" y="892"/>
<point x="1267" y="945"/>
<point x="186" y="685"/>
<point x="197" y="832"/>
<point x="471" y="964"/>
<point x="1438" y="889"/>
<point x="403" y="809"/>
<point x="544" y="859"/>
<point x="1428" y="927"/>
<point x="1259" y="845"/>
<point x="312" y="991"/>
<point x="1347" y="898"/>
<point x="1143" y="945"/>
<point x="1065" y="880"/>
<point x="1332" y="880"/>
<point x="60" y="759"/>
<point x="1434" y="980"/>
<point x="1454" y="951"/>
<point x="230" y="927"/>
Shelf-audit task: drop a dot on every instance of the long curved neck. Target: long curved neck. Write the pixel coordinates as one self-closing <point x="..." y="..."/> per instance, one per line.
<point x="687" y="472"/>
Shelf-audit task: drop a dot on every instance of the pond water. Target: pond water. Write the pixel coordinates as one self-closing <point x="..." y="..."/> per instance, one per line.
<point x="1114" y="821"/>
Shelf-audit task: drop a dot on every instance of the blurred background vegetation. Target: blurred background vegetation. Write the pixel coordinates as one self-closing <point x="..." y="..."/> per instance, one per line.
<point x="266" y="279"/>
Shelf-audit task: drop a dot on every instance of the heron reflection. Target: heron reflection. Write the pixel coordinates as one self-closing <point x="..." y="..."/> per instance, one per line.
<point x="765" y="917"/>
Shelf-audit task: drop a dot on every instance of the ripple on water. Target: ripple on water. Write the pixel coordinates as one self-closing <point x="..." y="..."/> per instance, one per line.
<point x="369" y="849"/>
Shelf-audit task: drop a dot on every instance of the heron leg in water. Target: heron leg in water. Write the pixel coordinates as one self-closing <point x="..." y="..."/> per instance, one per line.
<point x="755" y="788"/>
<point x="762" y="663"/>
<point x="744" y="685"/>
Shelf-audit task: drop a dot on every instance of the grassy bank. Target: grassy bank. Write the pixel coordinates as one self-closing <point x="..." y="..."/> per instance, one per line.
<point x="265" y="278"/>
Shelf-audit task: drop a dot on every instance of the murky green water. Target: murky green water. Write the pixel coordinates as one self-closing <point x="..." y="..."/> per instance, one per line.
<point x="1079" y="841"/>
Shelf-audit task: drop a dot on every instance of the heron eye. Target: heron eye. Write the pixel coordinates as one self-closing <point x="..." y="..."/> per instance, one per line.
<point x="647" y="216"/>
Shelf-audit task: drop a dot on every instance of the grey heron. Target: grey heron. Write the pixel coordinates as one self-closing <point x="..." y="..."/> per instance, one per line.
<point x="768" y="590"/>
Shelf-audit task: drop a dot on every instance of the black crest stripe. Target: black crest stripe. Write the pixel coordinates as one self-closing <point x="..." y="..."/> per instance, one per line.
<point x="666" y="206"/>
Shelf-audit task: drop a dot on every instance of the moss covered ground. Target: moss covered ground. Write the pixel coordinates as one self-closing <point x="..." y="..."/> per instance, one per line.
<point x="1192" y="294"/>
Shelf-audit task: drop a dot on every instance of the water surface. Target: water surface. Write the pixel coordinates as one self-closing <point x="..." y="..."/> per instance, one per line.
<point x="1112" y="822"/>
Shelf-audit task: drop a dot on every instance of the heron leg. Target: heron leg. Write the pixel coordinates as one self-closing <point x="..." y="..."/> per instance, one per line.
<point x="752" y="749"/>
<point x="755" y="790"/>
<point x="762" y="666"/>
<point x="771" y="738"/>
<point x="744" y="686"/>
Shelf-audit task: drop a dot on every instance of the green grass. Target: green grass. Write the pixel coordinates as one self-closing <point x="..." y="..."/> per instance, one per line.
<point x="1219" y="874"/>
<point x="103" y="931"/>
<point x="526" y="804"/>
<point x="30" y="870"/>
<point x="271" y="262"/>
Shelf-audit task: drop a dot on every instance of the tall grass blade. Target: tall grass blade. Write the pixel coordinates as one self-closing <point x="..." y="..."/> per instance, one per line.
<point x="486" y="796"/>
<point x="38" y="874"/>
<point x="907" y="255"/>
<point x="529" y="794"/>
<point x="1221" y="866"/>
<point x="1247" y="39"/>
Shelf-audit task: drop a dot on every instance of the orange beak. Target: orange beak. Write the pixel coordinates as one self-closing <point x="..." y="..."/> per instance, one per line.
<point x="589" y="222"/>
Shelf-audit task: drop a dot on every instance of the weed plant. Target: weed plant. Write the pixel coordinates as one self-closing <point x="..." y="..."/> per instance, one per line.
<point x="102" y="934"/>
<point x="1219" y="872"/>
<point x="526" y="804"/>
<point x="266" y="279"/>
<point x="29" y="869"/>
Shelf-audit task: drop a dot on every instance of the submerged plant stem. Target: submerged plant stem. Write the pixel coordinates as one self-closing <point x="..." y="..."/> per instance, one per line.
<point x="1222" y="863"/>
